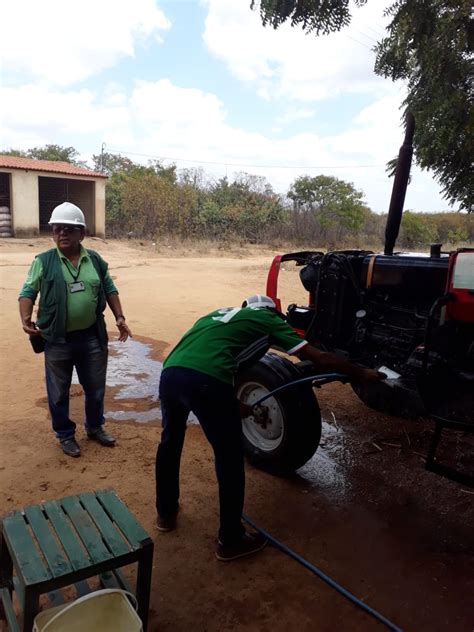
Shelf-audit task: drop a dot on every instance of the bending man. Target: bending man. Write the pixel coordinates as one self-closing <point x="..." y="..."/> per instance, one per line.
<point x="198" y="376"/>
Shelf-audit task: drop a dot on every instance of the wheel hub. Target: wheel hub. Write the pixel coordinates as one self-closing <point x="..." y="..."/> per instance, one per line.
<point x="264" y="429"/>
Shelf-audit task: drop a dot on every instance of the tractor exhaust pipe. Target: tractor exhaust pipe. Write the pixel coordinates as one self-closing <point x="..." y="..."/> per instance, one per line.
<point x="400" y="184"/>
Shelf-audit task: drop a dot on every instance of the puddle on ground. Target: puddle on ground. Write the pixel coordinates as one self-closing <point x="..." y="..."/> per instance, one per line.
<point x="134" y="374"/>
<point x="328" y="468"/>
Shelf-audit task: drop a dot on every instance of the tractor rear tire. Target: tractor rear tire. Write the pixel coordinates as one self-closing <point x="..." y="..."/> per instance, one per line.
<point x="293" y="434"/>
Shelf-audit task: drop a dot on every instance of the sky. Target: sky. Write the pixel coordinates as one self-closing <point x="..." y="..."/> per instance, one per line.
<point x="201" y="83"/>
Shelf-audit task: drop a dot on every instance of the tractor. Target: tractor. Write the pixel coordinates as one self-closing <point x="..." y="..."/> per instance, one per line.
<point x="410" y="315"/>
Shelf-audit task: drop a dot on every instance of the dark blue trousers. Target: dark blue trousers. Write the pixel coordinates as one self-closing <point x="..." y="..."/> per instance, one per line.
<point x="82" y="351"/>
<point x="215" y="405"/>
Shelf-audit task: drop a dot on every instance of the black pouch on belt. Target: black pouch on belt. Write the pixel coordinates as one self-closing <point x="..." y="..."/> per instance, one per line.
<point x="38" y="343"/>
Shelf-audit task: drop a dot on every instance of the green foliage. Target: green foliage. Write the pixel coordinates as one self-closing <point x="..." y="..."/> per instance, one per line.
<point x="429" y="45"/>
<point x="147" y="201"/>
<point x="246" y="207"/>
<point x="320" y="16"/>
<point x="153" y="205"/>
<point x="416" y="231"/>
<point x="336" y="206"/>
<point x="49" y="152"/>
<point x="112" y="163"/>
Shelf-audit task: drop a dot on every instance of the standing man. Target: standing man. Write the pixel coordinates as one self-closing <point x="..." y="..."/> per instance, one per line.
<point x="198" y="376"/>
<point x="74" y="287"/>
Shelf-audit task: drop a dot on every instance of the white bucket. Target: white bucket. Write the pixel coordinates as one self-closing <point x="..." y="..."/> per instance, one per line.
<point x="107" y="610"/>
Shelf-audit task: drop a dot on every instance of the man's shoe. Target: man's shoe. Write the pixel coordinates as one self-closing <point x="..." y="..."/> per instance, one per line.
<point x="102" y="437"/>
<point x="166" y="524"/>
<point x="249" y="544"/>
<point x="70" y="447"/>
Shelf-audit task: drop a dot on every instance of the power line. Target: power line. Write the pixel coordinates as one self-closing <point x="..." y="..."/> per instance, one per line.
<point x="357" y="41"/>
<point x="369" y="37"/>
<point x="236" y="164"/>
<point x="379" y="35"/>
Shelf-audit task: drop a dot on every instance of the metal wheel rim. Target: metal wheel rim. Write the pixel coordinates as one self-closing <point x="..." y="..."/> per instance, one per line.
<point x="265" y="439"/>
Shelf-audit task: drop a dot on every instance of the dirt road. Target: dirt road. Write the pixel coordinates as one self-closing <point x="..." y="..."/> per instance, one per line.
<point x="371" y="517"/>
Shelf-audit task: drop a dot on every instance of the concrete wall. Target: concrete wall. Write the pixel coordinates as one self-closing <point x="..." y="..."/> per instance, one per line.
<point x="100" y="207"/>
<point x="88" y="194"/>
<point x="25" y="203"/>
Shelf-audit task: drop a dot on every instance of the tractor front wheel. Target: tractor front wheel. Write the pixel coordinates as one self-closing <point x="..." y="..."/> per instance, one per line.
<point x="289" y="433"/>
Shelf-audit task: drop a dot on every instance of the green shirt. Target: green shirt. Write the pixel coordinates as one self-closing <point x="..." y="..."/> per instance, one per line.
<point x="219" y="342"/>
<point x="81" y="306"/>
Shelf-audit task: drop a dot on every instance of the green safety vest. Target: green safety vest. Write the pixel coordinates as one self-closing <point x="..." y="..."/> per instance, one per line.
<point x="52" y="308"/>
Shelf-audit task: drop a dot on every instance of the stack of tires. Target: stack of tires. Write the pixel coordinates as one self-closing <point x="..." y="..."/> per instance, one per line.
<point x="5" y="222"/>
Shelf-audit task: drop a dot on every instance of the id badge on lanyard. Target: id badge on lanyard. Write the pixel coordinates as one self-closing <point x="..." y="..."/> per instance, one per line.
<point x="77" y="286"/>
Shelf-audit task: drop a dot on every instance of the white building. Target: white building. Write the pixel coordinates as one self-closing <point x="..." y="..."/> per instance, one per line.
<point x="32" y="188"/>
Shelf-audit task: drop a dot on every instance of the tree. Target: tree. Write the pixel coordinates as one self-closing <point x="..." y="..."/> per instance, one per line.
<point x="49" y="152"/>
<point x="430" y="46"/>
<point x="336" y="205"/>
<point x="112" y="163"/>
<point x="246" y="207"/>
<point x="323" y="17"/>
<point x="416" y="231"/>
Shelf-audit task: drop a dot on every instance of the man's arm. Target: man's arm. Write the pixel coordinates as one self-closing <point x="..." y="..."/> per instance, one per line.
<point x="284" y="335"/>
<point x="28" y="295"/>
<point x="114" y="303"/>
<point x="26" y="310"/>
<point x="332" y="362"/>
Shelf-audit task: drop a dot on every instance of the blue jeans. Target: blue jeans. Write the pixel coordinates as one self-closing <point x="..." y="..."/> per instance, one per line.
<point x="81" y="350"/>
<point x="215" y="405"/>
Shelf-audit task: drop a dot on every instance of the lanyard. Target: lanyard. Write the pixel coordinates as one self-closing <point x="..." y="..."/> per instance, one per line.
<point x="67" y="264"/>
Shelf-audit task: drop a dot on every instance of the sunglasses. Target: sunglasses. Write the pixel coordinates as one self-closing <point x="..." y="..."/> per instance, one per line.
<point x="64" y="228"/>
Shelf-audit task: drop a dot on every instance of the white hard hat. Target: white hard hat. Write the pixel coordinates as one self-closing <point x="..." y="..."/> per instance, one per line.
<point x="259" y="300"/>
<point x="67" y="213"/>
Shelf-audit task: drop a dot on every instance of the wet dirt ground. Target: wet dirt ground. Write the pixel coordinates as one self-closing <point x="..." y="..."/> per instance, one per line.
<point x="363" y="510"/>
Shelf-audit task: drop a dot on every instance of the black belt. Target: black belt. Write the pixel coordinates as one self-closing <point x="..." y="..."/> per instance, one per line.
<point x="80" y="334"/>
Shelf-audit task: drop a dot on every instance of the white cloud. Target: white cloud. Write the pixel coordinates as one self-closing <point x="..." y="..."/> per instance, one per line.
<point x="168" y="121"/>
<point x="164" y="120"/>
<point x="65" y="42"/>
<point x="289" y="63"/>
<point x="294" y="114"/>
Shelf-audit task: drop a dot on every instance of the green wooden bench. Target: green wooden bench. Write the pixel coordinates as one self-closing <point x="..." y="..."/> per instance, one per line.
<point x="60" y="543"/>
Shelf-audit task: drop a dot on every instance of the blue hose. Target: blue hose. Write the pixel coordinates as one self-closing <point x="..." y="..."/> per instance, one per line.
<point x="324" y="378"/>
<point x="323" y="576"/>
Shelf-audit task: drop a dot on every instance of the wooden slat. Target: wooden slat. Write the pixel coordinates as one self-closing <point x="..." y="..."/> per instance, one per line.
<point x="115" y="579"/>
<point x="124" y="519"/>
<point x="112" y="538"/>
<point x="86" y="529"/>
<point x="82" y="588"/>
<point x="9" y="611"/>
<point x="67" y="535"/>
<point x="108" y="580"/>
<point x="56" y="598"/>
<point x="59" y="565"/>
<point x="124" y="583"/>
<point x="28" y="561"/>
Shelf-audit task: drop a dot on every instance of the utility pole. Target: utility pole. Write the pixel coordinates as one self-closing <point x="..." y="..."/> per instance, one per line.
<point x="102" y="158"/>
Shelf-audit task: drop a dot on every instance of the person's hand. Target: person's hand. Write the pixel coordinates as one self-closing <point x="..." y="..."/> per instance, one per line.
<point x="30" y="328"/>
<point x="245" y="410"/>
<point x="369" y="376"/>
<point x="124" y="329"/>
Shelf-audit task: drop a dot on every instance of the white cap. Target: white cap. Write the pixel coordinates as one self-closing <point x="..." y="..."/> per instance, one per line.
<point x="67" y="213"/>
<point x="258" y="301"/>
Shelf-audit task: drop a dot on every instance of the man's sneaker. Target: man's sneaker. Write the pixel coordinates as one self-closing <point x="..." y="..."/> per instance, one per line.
<point x="102" y="437"/>
<point x="70" y="447"/>
<point x="166" y="524"/>
<point x="249" y="544"/>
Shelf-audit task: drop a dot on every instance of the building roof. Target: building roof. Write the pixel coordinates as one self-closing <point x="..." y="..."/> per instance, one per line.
<point x="51" y="166"/>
